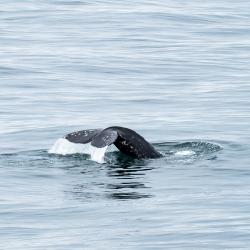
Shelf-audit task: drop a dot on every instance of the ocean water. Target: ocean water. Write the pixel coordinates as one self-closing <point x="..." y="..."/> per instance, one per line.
<point x="177" y="72"/>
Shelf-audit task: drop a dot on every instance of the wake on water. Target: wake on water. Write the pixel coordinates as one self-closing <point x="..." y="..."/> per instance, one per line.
<point x="192" y="150"/>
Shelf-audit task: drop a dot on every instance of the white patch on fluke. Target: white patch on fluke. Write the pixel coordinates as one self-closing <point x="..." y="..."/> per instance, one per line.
<point x="185" y="153"/>
<point x="64" y="147"/>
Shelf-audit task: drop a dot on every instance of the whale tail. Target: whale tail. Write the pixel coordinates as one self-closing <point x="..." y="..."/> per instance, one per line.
<point x="126" y="140"/>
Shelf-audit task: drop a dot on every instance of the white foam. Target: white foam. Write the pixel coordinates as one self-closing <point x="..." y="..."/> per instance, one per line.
<point x="185" y="153"/>
<point x="64" y="147"/>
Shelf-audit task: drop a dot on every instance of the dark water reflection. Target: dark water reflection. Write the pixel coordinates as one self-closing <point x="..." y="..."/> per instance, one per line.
<point x="121" y="178"/>
<point x="128" y="178"/>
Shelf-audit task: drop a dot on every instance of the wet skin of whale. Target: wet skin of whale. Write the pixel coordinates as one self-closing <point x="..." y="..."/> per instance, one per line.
<point x="126" y="140"/>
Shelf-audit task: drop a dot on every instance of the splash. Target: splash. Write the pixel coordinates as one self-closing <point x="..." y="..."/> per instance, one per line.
<point x="185" y="153"/>
<point x="64" y="147"/>
<point x="97" y="154"/>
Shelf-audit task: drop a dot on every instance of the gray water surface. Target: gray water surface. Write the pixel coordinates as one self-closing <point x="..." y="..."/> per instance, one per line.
<point x="177" y="72"/>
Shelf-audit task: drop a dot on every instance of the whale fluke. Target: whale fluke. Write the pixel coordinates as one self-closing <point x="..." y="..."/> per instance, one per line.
<point x="105" y="138"/>
<point x="84" y="136"/>
<point x="126" y="140"/>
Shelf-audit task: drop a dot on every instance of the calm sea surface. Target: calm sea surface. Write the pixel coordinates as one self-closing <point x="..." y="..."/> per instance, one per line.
<point x="177" y="72"/>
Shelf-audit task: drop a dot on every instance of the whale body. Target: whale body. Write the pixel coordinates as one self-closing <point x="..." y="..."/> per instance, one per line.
<point x="126" y="140"/>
